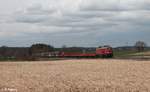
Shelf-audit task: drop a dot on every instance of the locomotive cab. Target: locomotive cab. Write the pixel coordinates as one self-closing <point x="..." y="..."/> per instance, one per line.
<point x="105" y="52"/>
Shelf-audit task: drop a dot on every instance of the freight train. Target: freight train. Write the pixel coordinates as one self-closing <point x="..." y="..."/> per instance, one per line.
<point x="101" y="52"/>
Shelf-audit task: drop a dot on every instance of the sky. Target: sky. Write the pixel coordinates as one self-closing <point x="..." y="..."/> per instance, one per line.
<point x="74" y="22"/>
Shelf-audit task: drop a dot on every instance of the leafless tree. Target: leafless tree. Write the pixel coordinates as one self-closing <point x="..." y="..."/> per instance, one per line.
<point x="140" y="45"/>
<point x="39" y="48"/>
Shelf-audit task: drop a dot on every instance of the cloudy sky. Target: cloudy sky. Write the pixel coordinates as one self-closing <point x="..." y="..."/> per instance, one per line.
<point x="74" y="22"/>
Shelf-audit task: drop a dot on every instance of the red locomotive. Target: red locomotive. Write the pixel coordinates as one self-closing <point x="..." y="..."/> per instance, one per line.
<point x="104" y="52"/>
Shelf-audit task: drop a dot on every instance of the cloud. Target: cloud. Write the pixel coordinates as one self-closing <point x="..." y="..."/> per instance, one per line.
<point x="61" y="18"/>
<point x="86" y="11"/>
<point x="88" y="21"/>
<point x="115" y="5"/>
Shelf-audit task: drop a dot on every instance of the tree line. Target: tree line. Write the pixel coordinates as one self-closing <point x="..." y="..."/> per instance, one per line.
<point x="33" y="51"/>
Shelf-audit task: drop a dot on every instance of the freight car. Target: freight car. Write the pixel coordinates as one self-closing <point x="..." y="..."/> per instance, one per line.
<point x="103" y="52"/>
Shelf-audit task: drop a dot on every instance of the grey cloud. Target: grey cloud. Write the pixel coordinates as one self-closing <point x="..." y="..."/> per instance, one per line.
<point x="139" y="18"/>
<point x="79" y="19"/>
<point x="116" y="5"/>
<point x="34" y="14"/>
<point x="30" y="18"/>
<point x="39" y="10"/>
<point x="92" y="22"/>
<point x="98" y="15"/>
<point x="90" y="14"/>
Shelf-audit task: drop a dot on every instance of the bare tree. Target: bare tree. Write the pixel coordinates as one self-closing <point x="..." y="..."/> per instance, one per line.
<point x="140" y="45"/>
<point x="40" y="48"/>
<point x="64" y="46"/>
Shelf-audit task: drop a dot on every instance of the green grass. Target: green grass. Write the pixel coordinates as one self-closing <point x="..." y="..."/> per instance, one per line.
<point x="7" y="58"/>
<point x="129" y="53"/>
<point x="123" y="53"/>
